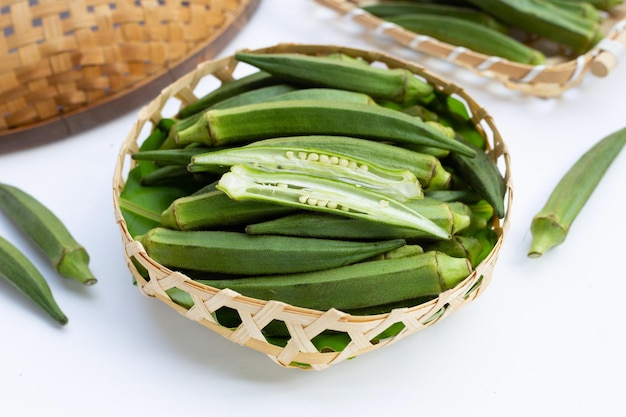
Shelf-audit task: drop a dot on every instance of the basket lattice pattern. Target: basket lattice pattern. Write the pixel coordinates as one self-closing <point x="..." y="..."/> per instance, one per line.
<point x="59" y="57"/>
<point x="303" y="324"/>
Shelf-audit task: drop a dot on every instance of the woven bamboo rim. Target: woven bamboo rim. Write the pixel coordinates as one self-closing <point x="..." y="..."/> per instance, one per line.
<point x="66" y="66"/>
<point x="549" y="80"/>
<point x="303" y="324"/>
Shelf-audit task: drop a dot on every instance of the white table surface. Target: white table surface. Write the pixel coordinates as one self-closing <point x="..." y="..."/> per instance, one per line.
<point x="546" y="338"/>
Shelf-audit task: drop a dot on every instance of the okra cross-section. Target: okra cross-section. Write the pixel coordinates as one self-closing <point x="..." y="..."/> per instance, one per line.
<point x="397" y="183"/>
<point x="243" y="182"/>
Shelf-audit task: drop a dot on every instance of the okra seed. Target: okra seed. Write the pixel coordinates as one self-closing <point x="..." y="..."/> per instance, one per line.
<point x="344" y="208"/>
<point x="290" y="155"/>
<point x="302" y="155"/>
<point x="312" y="201"/>
<point x="343" y="162"/>
<point x="352" y="165"/>
<point x="334" y="160"/>
<point x="383" y="203"/>
<point x="331" y="205"/>
<point x="322" y="203"/>
<point x="364" y="167"/>
<point x="324" y="159"/>
<point x="303" y="199"/>
<point x="313" y="157"/>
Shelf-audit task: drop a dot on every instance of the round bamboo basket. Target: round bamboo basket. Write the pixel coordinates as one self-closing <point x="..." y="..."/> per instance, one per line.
<point x="549" y="80"/>
<point x="69" y="65"/>
<point x="303" y="324"/>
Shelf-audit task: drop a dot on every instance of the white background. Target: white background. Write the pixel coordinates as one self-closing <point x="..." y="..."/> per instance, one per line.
<point x="546" y="338"/>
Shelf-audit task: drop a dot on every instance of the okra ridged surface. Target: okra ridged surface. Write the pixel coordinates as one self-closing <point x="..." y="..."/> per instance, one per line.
<point x="343" y="191"/>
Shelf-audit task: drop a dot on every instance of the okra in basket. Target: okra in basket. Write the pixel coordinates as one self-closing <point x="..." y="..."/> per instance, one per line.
<point x="318" y="203"/>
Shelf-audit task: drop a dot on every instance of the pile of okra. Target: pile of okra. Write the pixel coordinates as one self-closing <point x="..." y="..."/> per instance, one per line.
<point x="524" y="31"/>
<point x="318" y="180"/>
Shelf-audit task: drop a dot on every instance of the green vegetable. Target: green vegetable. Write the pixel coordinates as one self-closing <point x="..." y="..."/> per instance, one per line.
<point x="48" y="232"/>
<point x="20" y="272"/>
<point x="398" y="85"/>
<point x="474" y="36"/>
<point x="239" y="253"/>
<point x="249" y="123"/>
<point x="321" y="194"/>
<point x="546" y="20"/>
<point x="367" y="283"/>
<point x="552" y="223"/>
<point x="321" y="162"/>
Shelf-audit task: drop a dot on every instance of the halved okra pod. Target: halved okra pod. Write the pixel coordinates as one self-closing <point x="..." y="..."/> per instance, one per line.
<point x="249" y="123"/>
<point x="20" y="272"/>
<point x="239" y="253"/>
<point x="368" y="283"/>
<point x="552" y="223"/>
<point x="47" y="231"/>
<point x="320" y="194"/>
<point x="426" y="168"/>
<point x="396" y="183"/>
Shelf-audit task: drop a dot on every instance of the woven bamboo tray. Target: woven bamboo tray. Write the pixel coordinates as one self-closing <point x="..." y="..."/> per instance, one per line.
<point x="549" y="80"/>
<point x="66" y="66"/>
<point x="303" y="324"/>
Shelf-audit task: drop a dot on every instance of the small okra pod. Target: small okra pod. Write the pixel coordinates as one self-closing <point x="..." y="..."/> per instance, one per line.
<point x="318" y="71"/>
<point x="321" y="194"/>
<point x="47" y="231"/>
<point x="20" y="272"/>
<point x="245" y="124"/>
<point x="239" y="253"/>
<point x="552" y="223"/>
<point x="399" y="184"/>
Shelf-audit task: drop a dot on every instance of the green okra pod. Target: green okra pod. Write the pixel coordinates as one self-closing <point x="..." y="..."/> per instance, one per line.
<point x="552" y="223"/>
<point x="402" y="8"/>
<point x="359" y="285"/>
<point x="20" y="272"/>
<point x="471" y="35"/>
<point x="546" y="20"/>
<point x="227" y="90"/>
<point x="245" y="124"/>
<point x="330" y="226"/>
<point x="162" y="157"/>
<point x="426" y="168"/>
<point x="239" y="253"/>
<point x="48" y="232"/>
<point x="213" y="209"/>
<point x="321" y="162"/>
<point x="483" y="175"/>
<point x="318" y="71"/>
<point x="321" y="194"/>
<point x="332" y="94"/>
